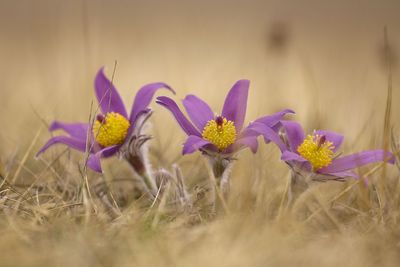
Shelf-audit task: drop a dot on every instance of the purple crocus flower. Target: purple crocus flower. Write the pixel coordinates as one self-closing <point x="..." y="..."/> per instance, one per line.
<point x="111" y="129"/>
<point x="221" y="134"/>
<point x="316" y="152"/>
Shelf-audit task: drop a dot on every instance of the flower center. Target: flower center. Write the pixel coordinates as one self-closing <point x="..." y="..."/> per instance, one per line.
<point x="220" y="132"/>
<point x="317" y="151"/>
<point x="110" y="130"/>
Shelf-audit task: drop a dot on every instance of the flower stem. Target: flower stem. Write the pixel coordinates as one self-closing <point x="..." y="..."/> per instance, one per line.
<point x="137" y="162"/>
<point x="150" y="184"/>
<point x="221" y="169"/>
<point x="298" y="185"/>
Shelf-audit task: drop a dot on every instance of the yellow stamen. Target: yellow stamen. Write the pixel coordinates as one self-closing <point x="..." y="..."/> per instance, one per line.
<point x="220" y="132"/>
<point x="317" y="151"/>
<point x="111" y="130"/>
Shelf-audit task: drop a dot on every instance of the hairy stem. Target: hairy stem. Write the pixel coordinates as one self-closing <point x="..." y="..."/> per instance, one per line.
<point x="297" y="186"/>
<point x="135" y="154"/>
<point x="220" y="184"/>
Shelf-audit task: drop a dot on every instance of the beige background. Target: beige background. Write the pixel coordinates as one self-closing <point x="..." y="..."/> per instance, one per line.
<point x="329" y="68"/>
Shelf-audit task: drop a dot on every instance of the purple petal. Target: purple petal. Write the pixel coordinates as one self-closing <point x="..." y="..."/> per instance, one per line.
<point x="357" y="160"/>
<point x="344" y="174"/>
<point x="143" y="112"/>
<point x="268" y="134"/>
<point x="249" y="141"/>
<point x="94" y="163"/>
<point x="144" y="97"/>
<point x="193" y="143"/>
<point x="185" y="124"/>
<point x="336" y="139"/>
<point x="294" y="159"/>
<point x="75" y="130"/>
<point x="272" y="120"/>
<point x="294" y="133"/>
<point x="68" y="141"/>
<point x="94" y="159"/>
<point x="107" y="95"/>
<point x="236" y="103"/>
<point x="199" y="111"/>
<point x="290" y="156"/>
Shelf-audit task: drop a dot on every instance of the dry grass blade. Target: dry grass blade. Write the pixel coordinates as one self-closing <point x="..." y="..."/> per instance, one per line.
<point x="25" y="157"/>
<point x="387" y="119"/>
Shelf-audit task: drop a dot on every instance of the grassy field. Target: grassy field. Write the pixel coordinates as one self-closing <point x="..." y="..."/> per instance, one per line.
<point x="327" y="61"/>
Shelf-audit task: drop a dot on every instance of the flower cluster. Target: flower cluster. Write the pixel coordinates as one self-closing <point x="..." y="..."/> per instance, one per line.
<point x="218" y="135"/>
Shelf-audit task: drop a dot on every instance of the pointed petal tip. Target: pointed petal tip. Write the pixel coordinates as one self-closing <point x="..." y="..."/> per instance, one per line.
<point x="97" y="170"/>
<point x="235" y="104"/>
<point x="53" y="126"/>
<point x="185" y="124"/>
<point x="357" y="160"/>
<point x="185" y="152"/>
<point x="160" y="85"/>
<point x="144" y="97"/>
<point x="290" y="111"/>
<point x="254" y="149"/>
<point x="39" y="153"/>
<point x="44" y="148"/>
<point x="107" y="95"/>
<point x="169" y="88"/>
<point x="94" y="164"/>
<point x="161" y="100"/>
<point x="75" y="130"/>
<point x="57" y="125"/>
<point x="285" y="111"/>
<point x="100" y="72"/>
<point x="65" y="140"/>
<point x="244" y="81"/>
<point x="242" y="84"/>
<point x="188" y="97"/>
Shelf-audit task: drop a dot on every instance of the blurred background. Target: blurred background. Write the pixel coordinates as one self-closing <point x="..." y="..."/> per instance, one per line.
<point x="324" y="59"/>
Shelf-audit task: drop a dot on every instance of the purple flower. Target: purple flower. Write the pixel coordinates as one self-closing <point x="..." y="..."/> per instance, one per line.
<point x="111" y="129"/>
<point x="316" y="152"/>
<point x="223" y="133"/>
